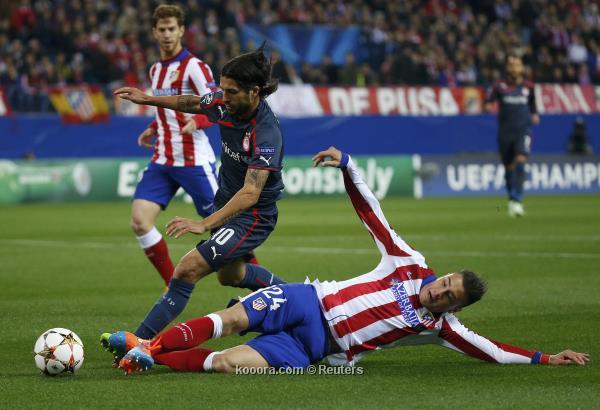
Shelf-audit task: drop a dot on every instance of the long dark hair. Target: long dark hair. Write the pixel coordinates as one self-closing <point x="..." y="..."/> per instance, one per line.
<point x="250" y="70"/>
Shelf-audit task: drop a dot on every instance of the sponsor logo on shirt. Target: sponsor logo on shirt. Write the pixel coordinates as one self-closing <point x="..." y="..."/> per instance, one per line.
<point x="232" y="154"/>
<point x="221" y="111"/>
<point x="258" y="304"/>
<point x="406" y="308"/>
<point x="161" y="92"/>
<point x="266" y="160"/>
<point x="514" y="99"/>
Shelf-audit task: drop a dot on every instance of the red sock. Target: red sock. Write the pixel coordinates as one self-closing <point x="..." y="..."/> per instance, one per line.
<point x="159" y="256"/>
<point x="190" y="360"/>
<point x="186" y="335"/>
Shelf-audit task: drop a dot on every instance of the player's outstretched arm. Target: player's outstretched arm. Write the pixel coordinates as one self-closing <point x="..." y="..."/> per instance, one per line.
<point x="184" y="103"/>
<point x="366" y="204"/>
<point x="456" y="336"/>
<point x="568" y="357"/>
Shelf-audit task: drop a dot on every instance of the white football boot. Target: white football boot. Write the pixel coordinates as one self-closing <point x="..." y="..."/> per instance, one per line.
<point x="515" y="209"/>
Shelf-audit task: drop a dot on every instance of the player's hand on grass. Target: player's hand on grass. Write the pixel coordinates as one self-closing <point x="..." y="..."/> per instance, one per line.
<point x="146" y="137"/>
<point x="568" y="357"/>
<point x="331" y="157"/>
<point x="190" y="126"/>
<point x="131" y="94"/>
<point x="177" y="227"/>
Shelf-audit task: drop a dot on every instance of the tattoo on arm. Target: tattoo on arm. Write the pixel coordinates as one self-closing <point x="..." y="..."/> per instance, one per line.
<point x="188" y="103"/>
<point x="229" y="218"/>
<point x="257" y="177"/>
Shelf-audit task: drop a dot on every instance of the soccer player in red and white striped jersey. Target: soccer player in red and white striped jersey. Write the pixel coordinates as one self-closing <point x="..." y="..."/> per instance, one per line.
<point x="400" y="302"/>
<point x="182" y="156"/>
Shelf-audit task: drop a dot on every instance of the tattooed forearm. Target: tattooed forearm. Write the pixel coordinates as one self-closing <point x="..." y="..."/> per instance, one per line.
<point x="188" y="103"/>
<point x="257" y="177"/>
<point x="229" y="218"/>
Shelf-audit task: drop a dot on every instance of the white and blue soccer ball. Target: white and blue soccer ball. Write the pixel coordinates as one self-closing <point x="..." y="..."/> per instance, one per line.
<point x="58" y="351"/>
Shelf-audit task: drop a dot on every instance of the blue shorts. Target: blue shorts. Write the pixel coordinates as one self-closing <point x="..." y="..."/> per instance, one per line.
<point x="294" y="331"/>
<point x="159" y="184"/>
<point x="239" y="236"/>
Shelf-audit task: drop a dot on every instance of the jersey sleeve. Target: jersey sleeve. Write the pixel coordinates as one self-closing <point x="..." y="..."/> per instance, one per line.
<point x="267" y="147"/>
<point x="370" y="213"/>
<point x="200" y="77"/>
<point x="213" y="106"/>
<point x="454" y="335"/>
<point x="202" y="121"/>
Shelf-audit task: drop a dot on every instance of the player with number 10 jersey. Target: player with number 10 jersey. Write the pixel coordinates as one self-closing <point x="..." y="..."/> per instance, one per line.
<point x="250" y="183"/>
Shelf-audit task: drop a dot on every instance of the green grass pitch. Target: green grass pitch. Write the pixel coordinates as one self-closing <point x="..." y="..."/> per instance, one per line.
<point x="78" y="266"/>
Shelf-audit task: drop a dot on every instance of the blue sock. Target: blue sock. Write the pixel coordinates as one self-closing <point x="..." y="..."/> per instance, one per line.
<point x="257" y="277"/>
<point x="166" y="308"/>
<point x="519" y="181"/>
<point x="509" y="177"/>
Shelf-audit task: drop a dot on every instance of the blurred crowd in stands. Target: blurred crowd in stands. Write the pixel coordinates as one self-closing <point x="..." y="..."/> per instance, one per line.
<point x="412" y="42"/>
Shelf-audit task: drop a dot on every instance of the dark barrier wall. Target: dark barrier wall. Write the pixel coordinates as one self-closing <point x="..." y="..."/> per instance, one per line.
<point x="47" y="137"/>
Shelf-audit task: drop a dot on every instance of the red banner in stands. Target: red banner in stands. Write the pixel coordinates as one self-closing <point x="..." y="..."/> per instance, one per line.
<point x="309" y="101"/>
<point x="315" y="101"/>
<point x="566" y="98"/>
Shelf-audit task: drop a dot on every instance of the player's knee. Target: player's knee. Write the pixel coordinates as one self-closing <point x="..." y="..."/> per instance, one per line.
<point x="222" y="363"/>
<point x="521" y="159"/>
<point x="140" y="226"/>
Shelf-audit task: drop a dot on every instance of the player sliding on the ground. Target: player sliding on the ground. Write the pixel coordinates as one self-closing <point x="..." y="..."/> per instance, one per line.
<point x="250" y="183"/>
<point x="400" y="302"/>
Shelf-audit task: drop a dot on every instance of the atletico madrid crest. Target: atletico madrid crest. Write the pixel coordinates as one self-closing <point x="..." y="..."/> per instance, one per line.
<point x="258" y="304"/>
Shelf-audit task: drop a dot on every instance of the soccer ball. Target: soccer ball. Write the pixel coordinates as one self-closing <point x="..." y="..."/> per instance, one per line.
<point x="58" y="351"/>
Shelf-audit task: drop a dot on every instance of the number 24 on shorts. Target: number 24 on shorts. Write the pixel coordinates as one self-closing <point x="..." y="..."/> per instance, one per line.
<point x="270" y="293"/>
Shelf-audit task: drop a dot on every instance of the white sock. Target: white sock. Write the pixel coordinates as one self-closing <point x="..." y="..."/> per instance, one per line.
<point x="208" y="361"/>
<point x="217" y="325"/>
<point x="149" y="239"/>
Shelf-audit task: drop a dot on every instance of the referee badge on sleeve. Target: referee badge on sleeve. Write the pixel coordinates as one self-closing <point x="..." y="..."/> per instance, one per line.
<point x="258" y="304"/>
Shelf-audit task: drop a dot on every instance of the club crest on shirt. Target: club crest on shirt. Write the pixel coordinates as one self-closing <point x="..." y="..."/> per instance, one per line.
<point x="174" y="75"/>
<point x="246" y="142"/>
<point x="258" y="304"/>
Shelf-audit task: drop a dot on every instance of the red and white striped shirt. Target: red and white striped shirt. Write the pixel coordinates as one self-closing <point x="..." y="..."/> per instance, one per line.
<point x="182" y="74"/>
<point x="381" y="308"/>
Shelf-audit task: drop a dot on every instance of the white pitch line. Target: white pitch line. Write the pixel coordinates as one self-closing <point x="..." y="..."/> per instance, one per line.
<point x="310" y="250"/>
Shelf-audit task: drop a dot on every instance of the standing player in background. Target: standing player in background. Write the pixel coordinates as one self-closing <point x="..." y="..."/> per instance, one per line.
<point x="250" y="183"/>
<point x="182" y="156"/>
<point x="517" y="113"/>
<point x="400" y="302"/>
